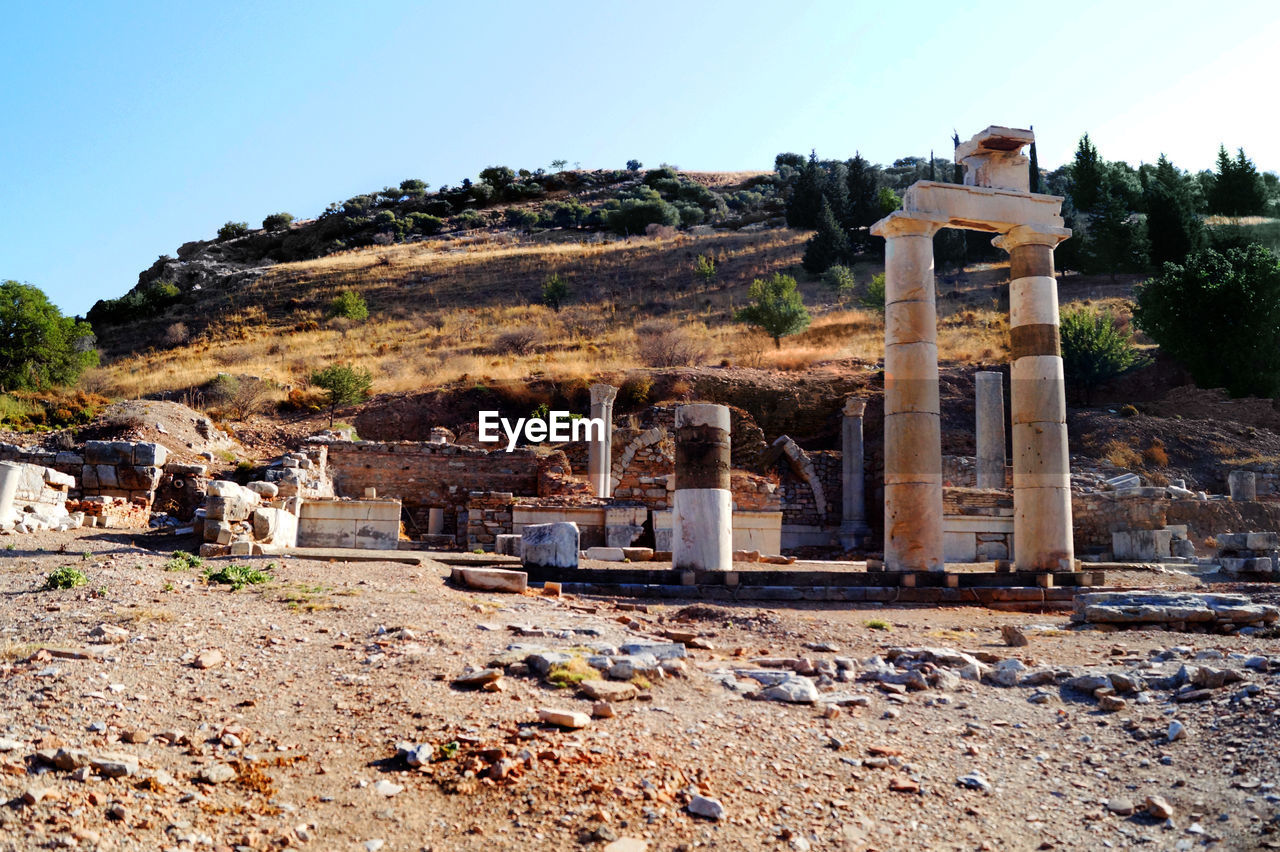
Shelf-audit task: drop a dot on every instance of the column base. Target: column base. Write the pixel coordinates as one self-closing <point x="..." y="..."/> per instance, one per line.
<point x="854" y="535"/>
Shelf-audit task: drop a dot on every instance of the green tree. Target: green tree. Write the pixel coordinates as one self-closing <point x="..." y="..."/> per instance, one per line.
<point x="1034" y="168"/>
<point x="1219" y="315"/>
<point x="344" y="385"/>
<point x="634" y="165"/>
<point x="805" y="205"/>
<point x="873" y="299"/>
<point x="1173" y="228"/>
<point x="776" y="307"/>
<point x="39" y="347"/>
<point x="231" y="230"/>
<point x="558" y="165"/>
<point x="413" y="187"/>
<point x="277" y="221"/>
<point x="888" y="201"/>
<point x="555" y="292"/>
<point x="1237" y="188"/>
<point x="1116" y="242"/>
<point x="498" y="177"/>
<point x="840" y="279"/>
<point x="829" y="245"/>
<point x="349" y="304"/>
<point x="1095" y="349"/>
<point x="1086" y="176"/>
<point x="704" y="269"/>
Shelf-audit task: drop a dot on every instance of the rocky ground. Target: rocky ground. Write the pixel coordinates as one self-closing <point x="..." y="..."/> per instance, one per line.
<point x="152" y="709"/>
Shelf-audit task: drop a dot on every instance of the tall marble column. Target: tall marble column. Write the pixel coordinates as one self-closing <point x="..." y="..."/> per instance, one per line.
<point x="10" y="473"/>
<point x="912" y="427"/>
<point x="1038" y="404"/>
<point x="702" y="531"/>
<point x="988" y="387"/>
<point x="854" y="532"/>
<point x="600" y="452"/>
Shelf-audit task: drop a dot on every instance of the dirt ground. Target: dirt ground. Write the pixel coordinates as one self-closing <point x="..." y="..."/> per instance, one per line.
<point x="290" y="739"/>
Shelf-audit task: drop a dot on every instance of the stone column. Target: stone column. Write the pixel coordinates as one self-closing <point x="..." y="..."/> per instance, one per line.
<point x="988" y="389"/>
<point x="912" y="429"/>
<point x="1038" y="404"/>
<point x="702" y="534"/>
<point x="9" y="475"/>
<point x="854" y="531"/>
<point x="600" y="455"/>
<point x="435" y="520"/>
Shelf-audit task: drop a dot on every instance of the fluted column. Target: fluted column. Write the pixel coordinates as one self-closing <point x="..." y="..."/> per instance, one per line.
<point x="854" y="531"/>
<point x="912" y="429"/>
<point x="1038" y="404"/>
<point x="600" y="451"/>
<point x="988" y="392"/>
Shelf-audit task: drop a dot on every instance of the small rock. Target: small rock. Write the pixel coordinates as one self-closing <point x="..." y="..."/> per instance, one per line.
<point x="474" y="680"/>
<point x="374" y="845"/>
<point x="115" y="765"/>
<point x="386" y="788"/>
<point x="627" y="844"/>
<point x="564" y="718"/>
<point x="1159" y="807"/>
<point x="216" y="773"/>
<point x="902" y="784"/>
<point x="1007" y="672"/>
<point x="1120" y="806"/>
<point x="602" y="710"/>
<point x="1013" y="636"/>
<point x="706" y="807"/>
<point x="117" y="812"/>
<point x="1177" y="731"/>
<point x="209" y="659"/>
<point x="1111" y="703"/>
<point x="605" y="690"/>
<point x="34" y="795"/>
<point x="109" y="634"/>
<point x="797" y="690"/>
<point x="416" y="754"/>
<point x="974" y="781"/>
<point x="135" y="737"/>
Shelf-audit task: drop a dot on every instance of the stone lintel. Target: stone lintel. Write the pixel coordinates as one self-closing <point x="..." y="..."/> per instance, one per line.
<point x="904" y="223"/>
<point x="979" y="208"/>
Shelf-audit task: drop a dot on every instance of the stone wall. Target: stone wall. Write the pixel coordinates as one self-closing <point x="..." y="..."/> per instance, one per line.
<point x="1096" y="516"/>
<point x="117" y="469"/>
<point x="488" y="516"/>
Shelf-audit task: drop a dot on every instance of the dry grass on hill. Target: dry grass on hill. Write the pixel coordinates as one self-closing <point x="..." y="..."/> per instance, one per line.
<point x="466" y="310"/>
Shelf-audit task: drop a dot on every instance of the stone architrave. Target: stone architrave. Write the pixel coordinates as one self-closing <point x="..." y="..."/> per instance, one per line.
<point x="854" y="531"/>
<point x="600" y="451"/>
<point x="988" y="389"/>
<point x="702" y="534"/>
<point x="912" y="428"/>
<point x="1042" y="532"/>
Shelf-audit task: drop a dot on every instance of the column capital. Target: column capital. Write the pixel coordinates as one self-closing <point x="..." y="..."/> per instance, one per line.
<point x="854" y="407"/>
<point x="901" y="223"/>
<point x="1033" y="235"/>
<point x="602" y="394"/>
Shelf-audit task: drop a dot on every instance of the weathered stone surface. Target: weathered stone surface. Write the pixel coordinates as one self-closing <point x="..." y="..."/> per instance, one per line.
<point x="550" y="545"/>
<point x="607" y="690"/>
<point x="793" y="690"/>
<point x="1152" y="607"/>
<point x="491" y="579"/>
<point x="709" y="808"/>
<point x="476" y="679"/>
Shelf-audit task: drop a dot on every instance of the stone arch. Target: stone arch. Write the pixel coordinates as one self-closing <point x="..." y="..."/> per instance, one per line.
<point x="633" y="484"/>
<point x="800" y="464"/>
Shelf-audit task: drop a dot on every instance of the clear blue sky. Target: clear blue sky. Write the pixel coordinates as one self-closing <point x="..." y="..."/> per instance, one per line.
<point x="129" y="128"/>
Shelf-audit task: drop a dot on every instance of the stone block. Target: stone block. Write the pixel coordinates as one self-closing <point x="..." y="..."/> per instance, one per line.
<point x="1262" y="541"/>
<point x="241" y="548"/>
<point x="275" y="527"/>
<point x="106" y="476"/>
<point x="506" y="544"/>
<point x="108" y="452"/>
<point x="136" y="478"/>
<point x="553" y="545"/>
<point x="1124" y="480"/>
<point x="265" y="490"/>
<point x="491" y="579"/>
<point x="233" y="508"/>
<point x="1141" y="545"/>
<point x="606" y="554"/>
<point x="148" y="454"/>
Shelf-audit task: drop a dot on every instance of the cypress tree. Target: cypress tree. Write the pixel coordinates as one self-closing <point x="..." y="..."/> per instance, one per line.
<point x="1086" y="176"/>
<point x="1173" y="228"/>
<point x="830" y="245"/>
<point x="806" y="200"/>
<point x="1034" y="167"/>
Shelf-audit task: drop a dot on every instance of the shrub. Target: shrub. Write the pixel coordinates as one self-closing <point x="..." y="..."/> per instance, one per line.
<point x="344" y="385"/>
<point x="425" y="223"/>
<point x="555" y="292"/>
<point x="776" y="307"/>
<point x="238" y="576"/>
<point x="840" y="279"/>
<point x="635" y="389"/>
<point x="176" y="334"/>
<point x="873" y="299"/>
<point x="277" y="221"/>
<point x="231" y="230"/>
<point x="521" y="340"/>
<point x="469" y="220"/>
<point x="634" y="165"/>
<point x="704" y="268"/>
<point x="1156" y="455"/>
<point x="1219" y="315"/>
<point x="349" y="305"/>
<point x="667" y="343"/>
<point x="522" y="217"/>
<point x="635" y="214"/>
<point x="413" y="187"/>
<point x="1095" y="349"/>
<point x="65" y="577"/>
